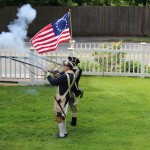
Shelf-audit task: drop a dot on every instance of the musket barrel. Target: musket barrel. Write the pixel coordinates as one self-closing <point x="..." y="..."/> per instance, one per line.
<point x="44" y="58"/>
<point x="14" y="58"/>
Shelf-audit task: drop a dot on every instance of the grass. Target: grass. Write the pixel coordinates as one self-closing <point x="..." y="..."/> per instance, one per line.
<point x="113" y="115"/>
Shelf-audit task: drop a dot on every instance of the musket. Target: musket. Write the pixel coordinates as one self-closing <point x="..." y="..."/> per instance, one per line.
<point x="60" y="107"/>
<point x="35" y="56"/>
<point x="14" y="58"/>
<point x="44" y="58"/>
<point x="24" y="57"/>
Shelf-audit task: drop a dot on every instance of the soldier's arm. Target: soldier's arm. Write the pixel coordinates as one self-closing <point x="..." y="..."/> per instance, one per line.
<point x="56" y="81"/>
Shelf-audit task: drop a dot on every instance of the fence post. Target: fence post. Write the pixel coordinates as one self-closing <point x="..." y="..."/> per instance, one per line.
<point x="71" y="48"/>
<point x="31" y="60"/>
<point x="143" y="44"/>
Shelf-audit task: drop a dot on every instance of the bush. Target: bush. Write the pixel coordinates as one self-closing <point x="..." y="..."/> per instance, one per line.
<point x="133" y="66"/>
<point x="90" y="66"/>
<point x="114" y="59"/>
<point x="147" y="69"/>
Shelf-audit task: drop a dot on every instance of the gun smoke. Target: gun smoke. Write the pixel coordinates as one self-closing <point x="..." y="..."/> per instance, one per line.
<point x="15" y="38"/>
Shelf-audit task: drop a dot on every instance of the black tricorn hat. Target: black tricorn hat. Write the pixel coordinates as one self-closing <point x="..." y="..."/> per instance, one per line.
<point x="68" y="63"/>
<point x="74" y="60"/>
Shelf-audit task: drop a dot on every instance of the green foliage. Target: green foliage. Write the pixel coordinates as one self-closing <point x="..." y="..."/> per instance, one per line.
<point x="75" y="2"/>
<point x="37" y="2"/>
<point x="133" y="66"/>
<point x="105" y="2"/>
<point x="138" y="2"/>
<point x="147" y="69"/>
<point x="90" y="66"/>
<point x="113" y="115"/>
<point x="108" y="59"/>
<point x="111" y="61"/>
<point x="118" y="2"/>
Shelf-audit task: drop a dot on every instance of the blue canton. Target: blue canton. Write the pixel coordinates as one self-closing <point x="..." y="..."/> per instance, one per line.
<point x="61" y="24"/>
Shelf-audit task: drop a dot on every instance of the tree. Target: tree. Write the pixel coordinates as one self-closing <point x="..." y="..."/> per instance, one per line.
<point x="105" y="2"/>
<point x="94" y="2"/>
<point x="79" y="2"/>
<point x="35" y="2"/>
<point x="75" y="2"/>
<point x="138" y="2"/>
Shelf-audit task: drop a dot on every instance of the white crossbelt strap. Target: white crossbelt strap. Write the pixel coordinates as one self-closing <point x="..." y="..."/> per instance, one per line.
<point x="76" y="74"/>
<point x="69" y="86"/>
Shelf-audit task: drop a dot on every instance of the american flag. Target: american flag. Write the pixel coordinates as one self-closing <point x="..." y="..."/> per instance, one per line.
<point x="49" y="37"/>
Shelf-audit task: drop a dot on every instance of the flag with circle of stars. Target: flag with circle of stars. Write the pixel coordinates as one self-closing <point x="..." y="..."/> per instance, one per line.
<point x="55" y="33"/>
<point x="61" y="24"/>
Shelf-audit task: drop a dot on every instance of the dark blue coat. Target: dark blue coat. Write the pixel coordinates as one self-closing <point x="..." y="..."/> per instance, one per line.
<point x="62" y="82"/>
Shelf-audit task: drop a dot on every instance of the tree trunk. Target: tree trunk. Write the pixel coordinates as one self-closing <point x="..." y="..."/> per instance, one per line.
<point x="144" y="2"/>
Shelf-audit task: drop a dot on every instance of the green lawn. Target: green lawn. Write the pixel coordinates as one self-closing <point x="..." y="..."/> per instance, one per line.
<point x="113" y="115"/>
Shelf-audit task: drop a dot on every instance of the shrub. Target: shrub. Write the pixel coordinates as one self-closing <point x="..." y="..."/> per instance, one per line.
<point x="93" y="66"/>
<point x="133" y="66"/>
<point x="114" y="59"/>
<point x="147" y="69"/>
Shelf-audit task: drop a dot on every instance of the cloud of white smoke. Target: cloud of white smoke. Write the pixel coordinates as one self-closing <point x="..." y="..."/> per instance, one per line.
<point x="15" y="38"/>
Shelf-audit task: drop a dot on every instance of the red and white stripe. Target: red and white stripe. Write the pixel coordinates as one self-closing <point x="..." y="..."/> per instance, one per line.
<point x="46" y="41"/>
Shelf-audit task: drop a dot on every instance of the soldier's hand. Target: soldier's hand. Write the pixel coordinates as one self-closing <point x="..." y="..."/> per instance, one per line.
<point x="57" y="75"/>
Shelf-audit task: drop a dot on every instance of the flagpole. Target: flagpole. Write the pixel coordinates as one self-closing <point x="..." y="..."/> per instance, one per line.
<point x="72" y="42"/>
<point x="70" y="23"/>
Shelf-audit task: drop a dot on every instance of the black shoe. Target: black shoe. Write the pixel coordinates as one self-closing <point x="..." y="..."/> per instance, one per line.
<point x="74" y="121"/>
<point x="81" y="95"/>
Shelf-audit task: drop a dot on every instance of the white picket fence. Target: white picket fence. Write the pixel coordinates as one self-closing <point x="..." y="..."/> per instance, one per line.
<point x="14" y="71"/>
<point x="114" y="59"/>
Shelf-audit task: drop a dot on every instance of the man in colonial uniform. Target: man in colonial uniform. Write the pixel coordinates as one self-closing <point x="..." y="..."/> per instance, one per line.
<point x="65" y="83"/>
<point x="73" y="105"/>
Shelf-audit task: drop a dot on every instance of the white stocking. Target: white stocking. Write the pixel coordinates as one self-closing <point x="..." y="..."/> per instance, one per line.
<point x="61" y="129"/>
<point x="64" y="126"/>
